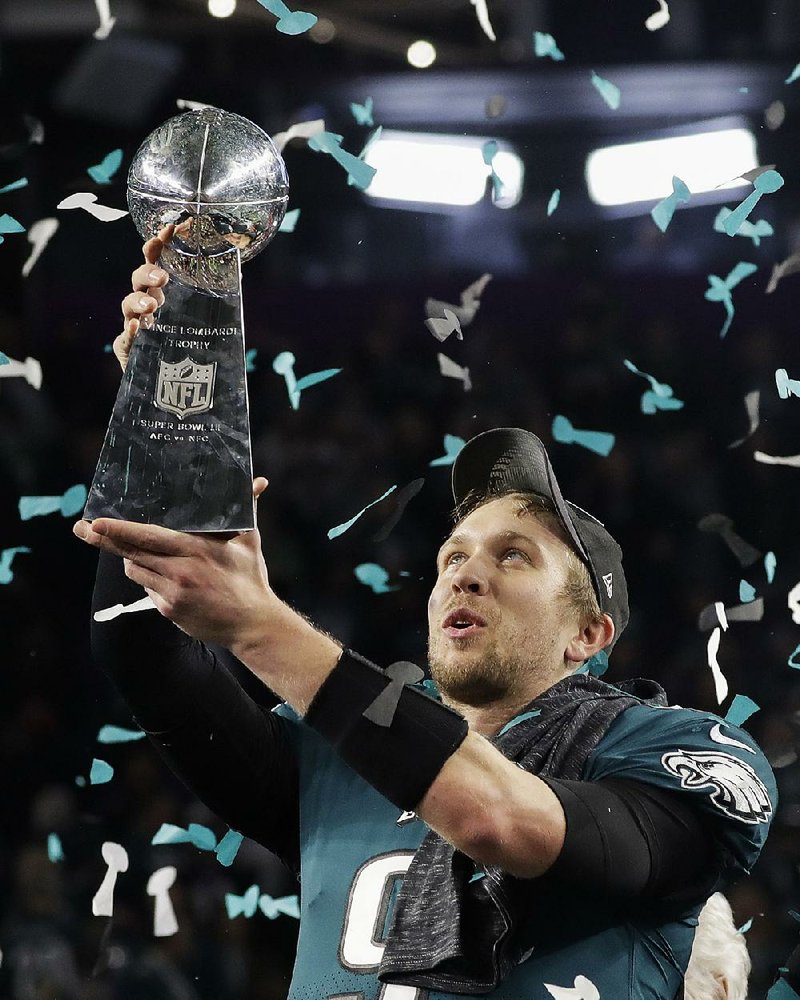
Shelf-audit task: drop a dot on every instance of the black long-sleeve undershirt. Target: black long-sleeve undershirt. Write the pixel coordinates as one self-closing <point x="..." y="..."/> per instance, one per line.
<point x="234" y="754"/>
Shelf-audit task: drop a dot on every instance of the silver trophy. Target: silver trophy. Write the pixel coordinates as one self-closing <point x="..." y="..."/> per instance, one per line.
<point x="177" y="450"/>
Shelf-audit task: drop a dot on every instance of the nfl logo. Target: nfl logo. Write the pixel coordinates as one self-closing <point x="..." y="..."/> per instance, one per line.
<point x="185" y="388"/>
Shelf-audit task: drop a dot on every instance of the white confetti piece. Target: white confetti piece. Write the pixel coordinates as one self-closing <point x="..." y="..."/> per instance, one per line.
<point x="39" y="235"/>
<point x="116" y="857"/>
<point x="29" y="369"/>
<point x="107" y="614"/>
<point x="584" y="989"/>
<point x="482" y="12"/>
<point x="720" y="684"/>
<point x="751" y="401"/>
<point x="302" y="130"/>
<point x="165" y="923"/>
<point x="793" y="603"/>
<point x="450" y="369"/>
<point x="793" y="460"/>
<point x="88" y="201"/>
<point x="659" y="18"/>
<point x="106" y="20"/>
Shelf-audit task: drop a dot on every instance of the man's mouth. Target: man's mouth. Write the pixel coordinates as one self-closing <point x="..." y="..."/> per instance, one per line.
<point x="462" y="623"/>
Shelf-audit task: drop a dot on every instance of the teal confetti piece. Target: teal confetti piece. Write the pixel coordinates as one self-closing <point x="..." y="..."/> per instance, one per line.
<point x="489" y="151"/>
<point x="287" y="905"/>
<point x="6" y="558"/>
<point x="609" y="91"/>
<point x="794" y="75"/>
<point x="792" y="661"/>
<point x="744" y="90"/>
<point x="250" y="360"/>
<point x="519" y="718"/>
<point x="659" y="396"/>
<point x="14" y="185"/>
<point x="341" y="528"/>
<point x="102" y="172"/>
<point x="55" y="852"/>
<point x="768" y="182"/>
<point x="197" y="834"/>
<point x="328" y="142"/>
<point x="770" y="562"/>
<point x="80" y="781"/>
<point x="228" y="847"/>
<point x="108" y="348"/>
<point x="544" y="45"/>
<point x="477" y="876"/>
<point x="289" y="22"/>
<point x="363" y="112"/>
<point x="597" y="665"/>
<point x="552" y="204"/>
<point x="720" y="291"/>
<point x="747" y="591"/>
<point x="315" y="378"/>
<point x="756" y="231"/>
<point x="782" y="991"/>
<point x="101" y="773"/>
<point x="599" y="442"/>
<point x="452" y="446"/>
<point x="244" y="906"/>
<point x="8" y="224"/>
<point x="794" y="915"/>
<point x="4" y="359"/>
<point x="70" y="503"/>
<point x="662" y="212"/>
<point x="741" y="708"/>
<point x="745" y="926"/>
<point x="289" y="221"/>
<point x="116" y="734"/>
<point x="374" y="576"/>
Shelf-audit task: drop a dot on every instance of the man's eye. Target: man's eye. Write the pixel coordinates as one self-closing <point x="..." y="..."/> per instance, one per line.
<point x="453" y="556"/>
<point x="514" y="552"/>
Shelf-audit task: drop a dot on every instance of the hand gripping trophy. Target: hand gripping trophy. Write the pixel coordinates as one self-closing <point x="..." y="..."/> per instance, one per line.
<point x="177" y="449"/>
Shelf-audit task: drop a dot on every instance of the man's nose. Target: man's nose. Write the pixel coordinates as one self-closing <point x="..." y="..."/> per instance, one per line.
<point x="471" y="577"/>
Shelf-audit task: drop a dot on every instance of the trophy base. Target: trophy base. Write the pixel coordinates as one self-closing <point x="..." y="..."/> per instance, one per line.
<point x="177" y="449"/>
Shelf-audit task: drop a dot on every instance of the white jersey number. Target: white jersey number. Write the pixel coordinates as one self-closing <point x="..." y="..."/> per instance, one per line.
<point x="364" y="931"/>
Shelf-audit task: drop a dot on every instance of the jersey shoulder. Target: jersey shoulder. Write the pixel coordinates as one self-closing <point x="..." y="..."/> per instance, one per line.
<point x="697" y="754"/>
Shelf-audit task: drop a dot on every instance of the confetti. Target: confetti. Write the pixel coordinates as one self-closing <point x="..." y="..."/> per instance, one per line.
<point x="747" y="591"/>
<point x="751" y="401"/>
<point x="228" y="847"/>
<point x="442" y="328"/>
<point x="289" y="221"/>
<point x="599" y="442"/>
<point x="8" y="225"/>
<point x="544" y="45"/>
<point x="382" y="709"/>
<point x="108" y="614"/>
<point x="72" y="501"/>
<point x="767" y="182"/>
<point x="289" y="22"/>
<point x="196" y="834"/>
<point x="720" y="684"/>
<point x="552" y="204"/>
<point x="786" y="386"/>
<point x="792" y="460"/>
<point x="194" y="106"/>
<point x="250" y="359"/>
<point x="740" y="710"/>
<point x="165" y="923"/>
<point x="770" y="562"/>
<point x="87" y="201"/>
<point x="328" y="142"/>
<point x="584" y="989"/>
<point x="793" y="661"/>
<point x="4" y="359"/>
<point x="340" y="529"/>
<point x="244" y="906"/>
<point x="608" y="91"/>
<point x="102" y="172"/>
<point x="101" y="773"/>
<point x="794" y="75"/>
<point x="659" y="18"/>
<point x="464" y="312"/>
<point x="39" y="236"/>
<point x="302" y="130"/>
<point x="662" y="212"/>
<point x="272" y="908"/>
<point x="793" y="603"/>
<point x="284" y="365"/>
<point x="6" y="558"/>
<point x="720" y="291"/>
<point x="55" y="852"/>
<point x="374" y="576"/>
<point x="401" y="500"/>
<point x="596" y="665"/>
<point x="781" y="990"/>
<point x="746" y="553"/>
<point x="752" y="611"/>
<point x="450" y="369"/>
<point x="789" y="266"/>
<point x="755" y="230"/>
<point x="363" y="112"/>
<point x="489" y="151"/>
<point x="106" y="20"/>
<point x="477" y="876"/>
<point x="482" y="13"/>
<point x="659" y="396"/>
<point x="116" y="734"/>
<point x="14" y="185"/>
<point x="520" y="718"/>
<point x="745" y="926"/>
<point x="30" y="369"/>
<point x="452" y="446"/>
<point x="116" y="857"/>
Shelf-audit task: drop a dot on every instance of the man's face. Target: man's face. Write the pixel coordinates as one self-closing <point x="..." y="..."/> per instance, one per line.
<point x="504" y="573"/>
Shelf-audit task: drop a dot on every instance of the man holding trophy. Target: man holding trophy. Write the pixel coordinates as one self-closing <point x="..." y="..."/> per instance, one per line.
<point x="517" y="825"/>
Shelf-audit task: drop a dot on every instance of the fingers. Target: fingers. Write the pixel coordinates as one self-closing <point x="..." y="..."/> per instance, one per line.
<point x="149" y="278"/>
<point x="134" y="541"/>
<point x="259" y="485"/>
<point x="124" y="341"/>
<point x="149" y="579"/>
<point x="152" y="248"/>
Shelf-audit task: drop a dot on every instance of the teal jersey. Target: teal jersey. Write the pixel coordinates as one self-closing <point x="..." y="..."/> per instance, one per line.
<point x="355" y="847"/>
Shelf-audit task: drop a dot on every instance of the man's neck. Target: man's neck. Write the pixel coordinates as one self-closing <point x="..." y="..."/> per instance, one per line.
<point x="488" y="720"/>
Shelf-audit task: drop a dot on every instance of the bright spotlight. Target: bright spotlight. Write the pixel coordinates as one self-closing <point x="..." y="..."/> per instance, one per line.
<point x="221" y="8"/>
<point x="421" y="54"/>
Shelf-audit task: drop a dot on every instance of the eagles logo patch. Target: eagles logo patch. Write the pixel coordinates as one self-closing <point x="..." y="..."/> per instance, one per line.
<point x="736" y="789"/>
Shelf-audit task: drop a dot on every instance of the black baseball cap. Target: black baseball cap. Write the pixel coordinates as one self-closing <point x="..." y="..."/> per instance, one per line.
<point x="510" y="459"/>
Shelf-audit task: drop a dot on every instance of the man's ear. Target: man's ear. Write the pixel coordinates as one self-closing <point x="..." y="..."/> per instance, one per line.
<point x="590" y="640"/>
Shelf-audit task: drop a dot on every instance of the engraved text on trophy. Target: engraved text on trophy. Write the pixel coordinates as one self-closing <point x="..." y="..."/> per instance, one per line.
<point x="185" y="388"/>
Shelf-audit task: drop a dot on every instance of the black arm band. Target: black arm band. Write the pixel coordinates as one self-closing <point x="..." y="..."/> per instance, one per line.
<point x="402" y="759"/>
<point x="630" y="839"/>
